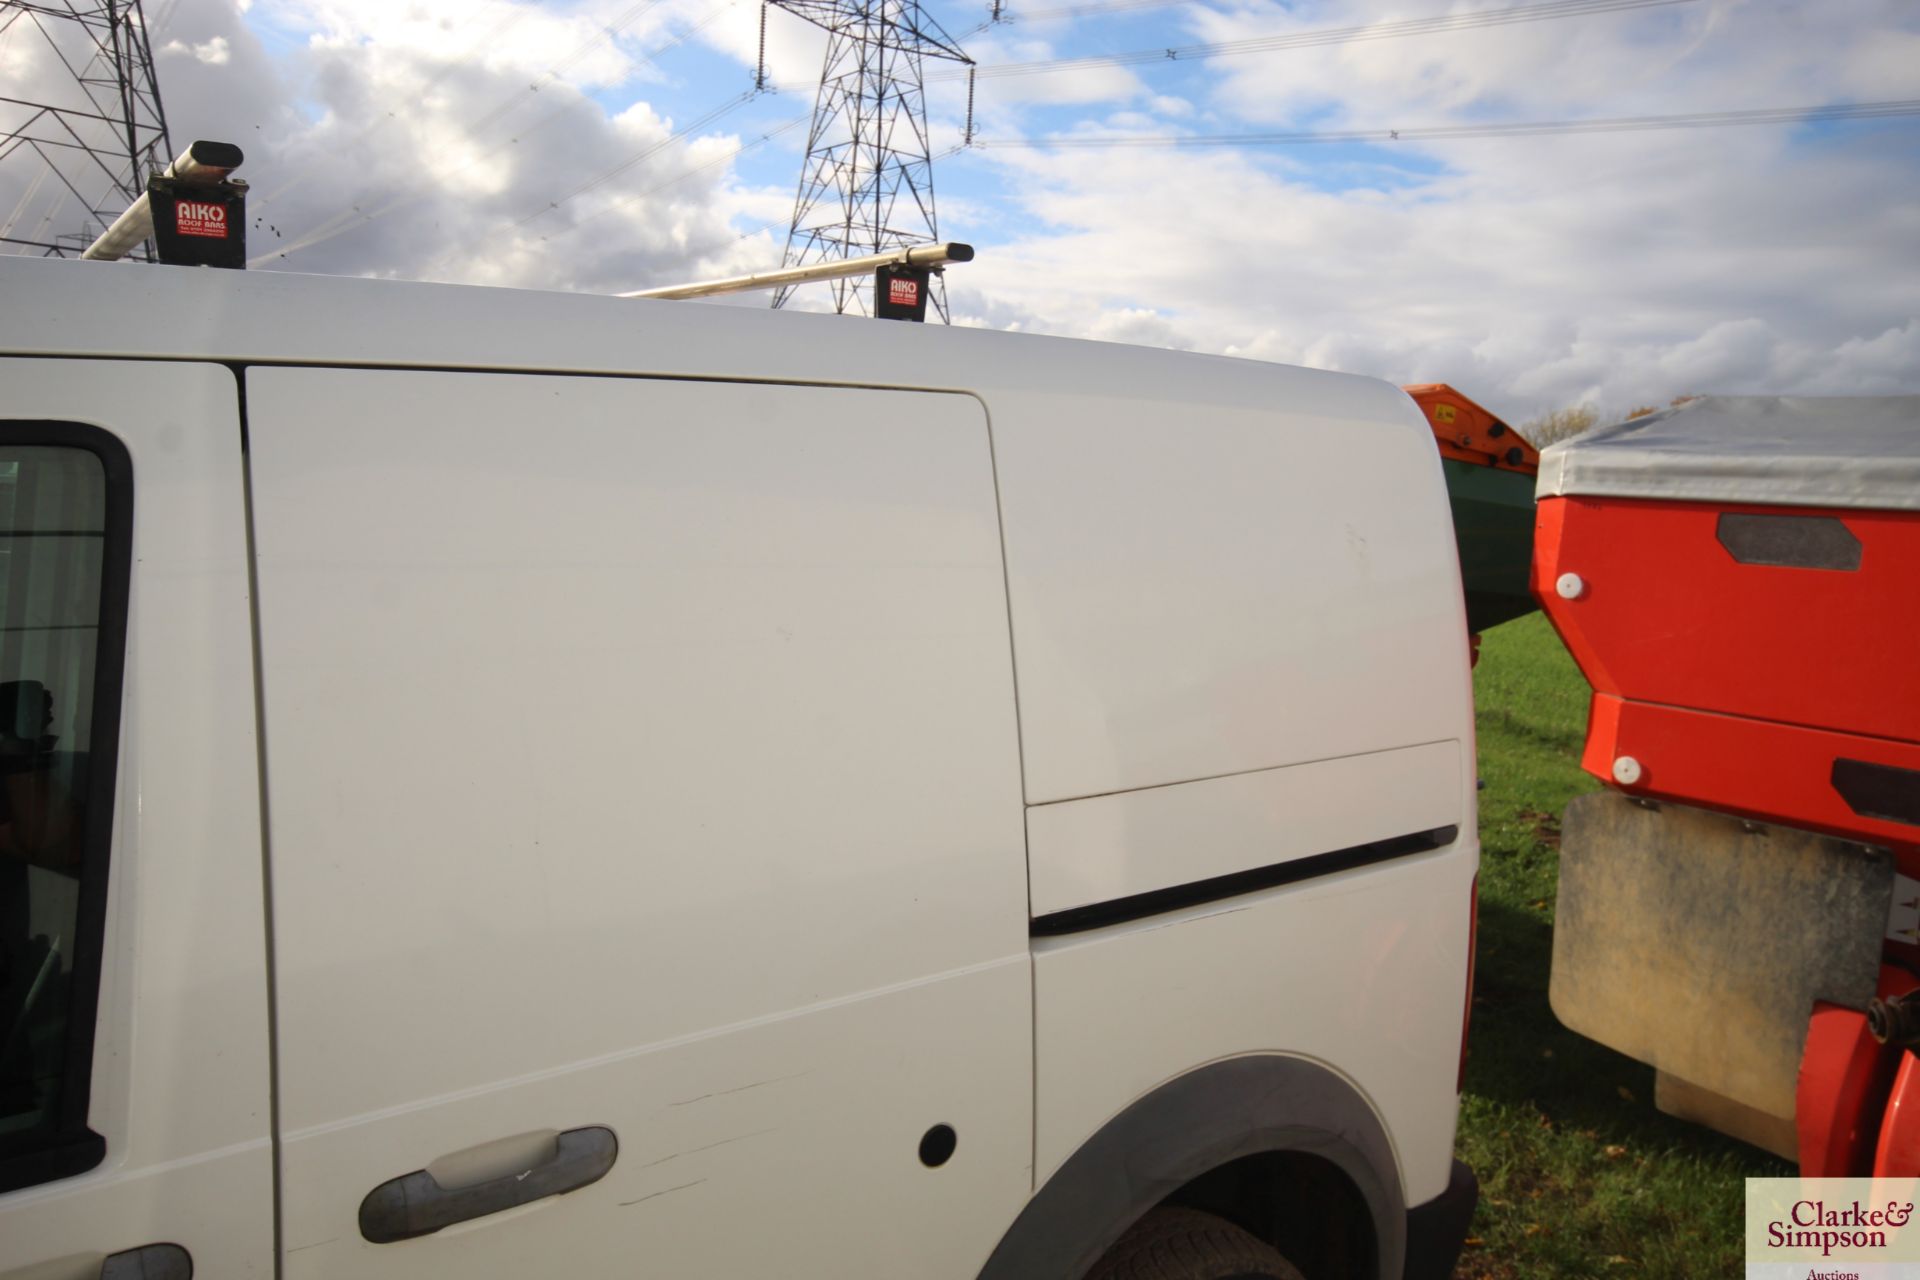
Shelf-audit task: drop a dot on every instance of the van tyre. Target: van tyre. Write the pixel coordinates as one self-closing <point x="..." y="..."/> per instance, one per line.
<point x="1185" y="1244"/>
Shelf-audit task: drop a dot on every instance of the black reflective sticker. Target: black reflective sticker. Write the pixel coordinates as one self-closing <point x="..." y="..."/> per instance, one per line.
<point x="1879" y="790"/>
<point x="1791" y="542"/>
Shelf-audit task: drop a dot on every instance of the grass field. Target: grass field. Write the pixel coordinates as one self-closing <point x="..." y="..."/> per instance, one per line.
<point x="1579" y="1175"/>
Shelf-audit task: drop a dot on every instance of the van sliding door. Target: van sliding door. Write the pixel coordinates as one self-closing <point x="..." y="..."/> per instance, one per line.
<point x="649" y="891"/>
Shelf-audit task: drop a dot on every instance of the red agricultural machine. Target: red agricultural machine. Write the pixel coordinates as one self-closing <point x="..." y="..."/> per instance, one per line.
<point x="1739" y="580"/>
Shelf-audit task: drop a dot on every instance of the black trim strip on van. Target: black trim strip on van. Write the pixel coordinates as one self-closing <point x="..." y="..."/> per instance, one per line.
<point x="1159" y="901"/>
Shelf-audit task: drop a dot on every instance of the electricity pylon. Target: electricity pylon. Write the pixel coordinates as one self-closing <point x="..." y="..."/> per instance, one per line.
<point x="867" y="183"/>
<point x="92" y="124"/>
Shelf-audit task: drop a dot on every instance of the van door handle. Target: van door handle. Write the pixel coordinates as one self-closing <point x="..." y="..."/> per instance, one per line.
<point x="416" y="1205"/>
<point x="149" y="1262"/>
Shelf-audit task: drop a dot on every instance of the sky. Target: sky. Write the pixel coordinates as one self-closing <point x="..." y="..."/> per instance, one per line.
<point x="609" y="145"/>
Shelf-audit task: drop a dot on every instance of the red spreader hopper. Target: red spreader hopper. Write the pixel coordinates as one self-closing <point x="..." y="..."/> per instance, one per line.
<point x="1739" y="579"/>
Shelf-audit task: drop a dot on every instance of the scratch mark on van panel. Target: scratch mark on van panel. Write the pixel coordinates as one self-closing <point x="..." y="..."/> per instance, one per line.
<point x="710" y="1146"/>
<point x="669" y="1191"/>
<point x="315" y="1245"/>
<point x="721" y="1093"/>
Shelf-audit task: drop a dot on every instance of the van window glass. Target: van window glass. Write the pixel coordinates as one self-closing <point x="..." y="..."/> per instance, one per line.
<point x="53" y="545"/>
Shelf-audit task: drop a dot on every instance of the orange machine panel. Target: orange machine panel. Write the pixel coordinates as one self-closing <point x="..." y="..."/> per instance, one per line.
<point x="1841" y="1105"/>
<point x="1470" y="433"/>
<point x="1898" y="1152"/>
<point x="1752" y="659"/>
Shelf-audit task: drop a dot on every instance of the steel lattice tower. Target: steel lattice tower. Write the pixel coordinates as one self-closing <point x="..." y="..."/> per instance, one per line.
<point x="867" y="183"/>
<point x="102" y="127"/>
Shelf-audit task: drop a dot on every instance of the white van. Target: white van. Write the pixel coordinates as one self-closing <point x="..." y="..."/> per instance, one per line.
<point x="502" y="784"/>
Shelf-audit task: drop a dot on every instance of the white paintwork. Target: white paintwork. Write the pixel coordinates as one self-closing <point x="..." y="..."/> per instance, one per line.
<point x="642" y="751"/>
<point x="1215" y="565"/>
<point x="1088" y="851"/>
<point x="1268" y="581"/>
<point x="630" y="742"/>
<point x="180" y="1077"/>
<point x="1363" y="972"/>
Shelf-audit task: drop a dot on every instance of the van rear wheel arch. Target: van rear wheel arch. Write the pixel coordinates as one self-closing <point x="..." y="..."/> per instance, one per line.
<point x="1240" y="1139"/>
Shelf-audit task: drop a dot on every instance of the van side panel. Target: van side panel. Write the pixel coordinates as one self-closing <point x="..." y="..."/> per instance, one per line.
<point x="180" y="1077"/>
<point x="1242" y="654"/>
<point x="1363" y="972"/>
<point x="1083" y="852"/>
<point x="642" y="754"/>
<point x="1217" y="567"/>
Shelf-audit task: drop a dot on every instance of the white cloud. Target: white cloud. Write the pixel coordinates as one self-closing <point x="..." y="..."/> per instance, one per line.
<point x="434" y="138"/>
<point x="1610" y="269"/>
<point x="213" y="53"/>
<point x="795" y="47"/>
<point x="444" y="140"/>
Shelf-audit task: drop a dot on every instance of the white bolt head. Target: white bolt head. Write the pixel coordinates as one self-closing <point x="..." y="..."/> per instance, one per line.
<point x="1626" y="771"/>
<point x="1571" y="586"/>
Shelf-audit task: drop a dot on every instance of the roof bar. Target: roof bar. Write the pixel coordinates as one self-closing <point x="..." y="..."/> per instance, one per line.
<point x="922" y="255"/>
<point x="203" y="164"/>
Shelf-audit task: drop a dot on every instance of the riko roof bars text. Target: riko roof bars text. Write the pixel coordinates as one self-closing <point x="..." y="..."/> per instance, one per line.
<point x="194" y="212"/>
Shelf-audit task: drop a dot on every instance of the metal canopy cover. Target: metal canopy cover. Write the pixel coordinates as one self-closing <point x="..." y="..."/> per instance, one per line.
<point x="1856" y="451"/>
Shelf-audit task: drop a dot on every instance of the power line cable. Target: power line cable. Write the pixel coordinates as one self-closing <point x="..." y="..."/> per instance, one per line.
<point x="657" y="188"/>
<point x="354" y="218"/>
<point x="491" y="34"/>
<point x="627" y="201"/>
<point x="761" y="228"/>
<point x="1831" y="113"/>
<point x="7" y="32"/>
<point x="1436" y="25"/>
<point x="701" y="122"/>
<point x="557" y="72"/>
<point x="515" y="100"/>
<point x="642" y="58"/>
<point x="352" y="215"/>
<point x="713" y="15"/>
<point x="26" y="198"/>
<point x="1096" y="9"/>
<point x="1089" y="10"/>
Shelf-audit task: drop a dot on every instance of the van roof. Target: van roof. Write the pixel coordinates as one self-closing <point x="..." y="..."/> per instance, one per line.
<point x="67" y="307"/>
